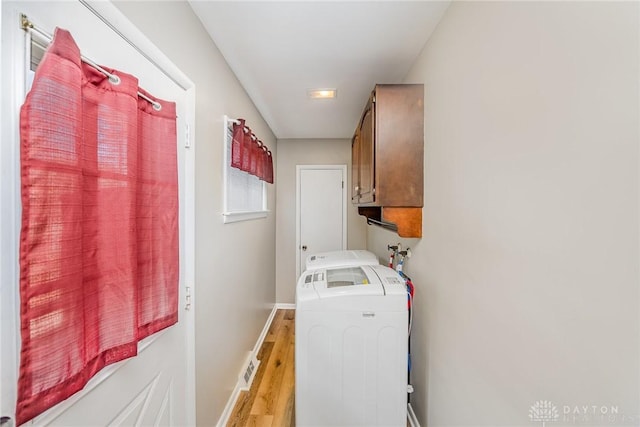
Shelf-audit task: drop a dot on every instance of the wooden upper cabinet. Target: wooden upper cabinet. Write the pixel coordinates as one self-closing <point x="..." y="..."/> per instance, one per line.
<point x="366" y="167"/>
<point x="355" y="168"/>
<point x="387" y="151"/>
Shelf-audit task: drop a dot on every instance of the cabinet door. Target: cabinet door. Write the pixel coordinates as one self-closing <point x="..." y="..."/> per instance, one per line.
<point x="355" y="167"/>
<point x="367" y="154"/>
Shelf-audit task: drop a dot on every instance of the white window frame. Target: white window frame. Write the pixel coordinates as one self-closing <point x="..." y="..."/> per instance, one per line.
<point x="235" y="214"/>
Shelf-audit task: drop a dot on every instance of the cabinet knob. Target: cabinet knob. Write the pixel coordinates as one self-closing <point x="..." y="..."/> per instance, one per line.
<point x="304" y="247"/>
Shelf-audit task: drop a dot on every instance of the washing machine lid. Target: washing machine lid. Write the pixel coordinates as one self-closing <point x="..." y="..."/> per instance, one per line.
<point x="340" y="259"/>
<point x="345" y="281"/>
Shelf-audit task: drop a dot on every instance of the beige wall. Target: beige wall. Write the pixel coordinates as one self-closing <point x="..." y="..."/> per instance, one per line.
<point x="232" y="300"/>
<point x="527" y="274"/>
<point x="292" y="152"/>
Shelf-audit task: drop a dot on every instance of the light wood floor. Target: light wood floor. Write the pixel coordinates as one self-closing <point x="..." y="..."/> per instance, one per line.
<point x="270" y="401"/>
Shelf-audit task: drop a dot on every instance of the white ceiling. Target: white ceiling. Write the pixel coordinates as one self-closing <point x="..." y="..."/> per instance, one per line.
<point x="280" y="50"/>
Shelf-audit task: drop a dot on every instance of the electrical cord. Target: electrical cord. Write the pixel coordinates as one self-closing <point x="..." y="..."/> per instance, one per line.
<point x="410" y="289"/>
<point x="410" y="311"/>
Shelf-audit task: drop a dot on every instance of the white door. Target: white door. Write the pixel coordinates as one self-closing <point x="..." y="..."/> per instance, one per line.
<point x="157" y="386"/>
<point x="322" y="214"/>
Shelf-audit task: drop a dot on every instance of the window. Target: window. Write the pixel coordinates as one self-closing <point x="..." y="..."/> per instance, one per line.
<point x="245" y="195"/>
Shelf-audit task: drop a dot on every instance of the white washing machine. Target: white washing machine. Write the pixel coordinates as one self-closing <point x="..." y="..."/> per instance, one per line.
<point x="340" y="258"/>
<point x="351" y="347"/>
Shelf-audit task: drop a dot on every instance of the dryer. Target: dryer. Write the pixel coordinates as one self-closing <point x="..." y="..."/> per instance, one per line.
<point x="351" y="347"/>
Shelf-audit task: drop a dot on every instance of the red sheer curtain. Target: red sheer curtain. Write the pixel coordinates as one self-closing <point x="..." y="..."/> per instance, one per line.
<point x="259" y="161"/>
<point x="245" y="162"/>
<point x="249" y="154"/>
<point x="99" y="238"/>
<point x="253" y="162"/>
<point x="157" y="217"/>
<point x="269" y="168"/>
<point x="237" y="144"/>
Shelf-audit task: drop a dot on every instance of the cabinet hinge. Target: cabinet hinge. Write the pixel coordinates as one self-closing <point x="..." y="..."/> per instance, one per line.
<point x="342" y="184"/>
<point x="187" y="136"/>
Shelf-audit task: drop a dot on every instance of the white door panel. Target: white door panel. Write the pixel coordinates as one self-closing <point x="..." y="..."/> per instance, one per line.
<point x="321" y="211"/>
<point x="155" y="387"/>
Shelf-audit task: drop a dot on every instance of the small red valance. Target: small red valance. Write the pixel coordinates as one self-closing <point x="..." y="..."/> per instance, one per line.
<point x="250" y="154"/>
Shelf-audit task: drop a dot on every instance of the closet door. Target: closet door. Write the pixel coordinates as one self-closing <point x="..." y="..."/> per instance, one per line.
<point x="156" y="387"/>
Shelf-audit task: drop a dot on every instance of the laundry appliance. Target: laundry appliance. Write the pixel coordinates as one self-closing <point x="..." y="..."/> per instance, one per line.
<point x="340" y="258"/>
<point x="351" y="333"/>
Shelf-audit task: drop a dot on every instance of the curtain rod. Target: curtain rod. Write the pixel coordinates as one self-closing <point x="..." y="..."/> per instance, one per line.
<point x="229" y="119"/>
<point x="27" y="25"/>
<point x="246" y="129"/>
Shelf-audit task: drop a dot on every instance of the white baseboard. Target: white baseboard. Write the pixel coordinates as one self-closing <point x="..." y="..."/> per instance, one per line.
<point x="224" y="418"/>
<point x="285" y="306"/>
<point x="226" y="413"/>
<point x="265" y="330"/>
<point x="411" y="416"/>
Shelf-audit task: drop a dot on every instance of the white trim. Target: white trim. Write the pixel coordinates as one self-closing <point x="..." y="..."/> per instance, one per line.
<point x="297" y="222"/>
<point x="285" y="306"/>
<point x="299" y="168"/>
<point x="243" y="216"/>
<point x="228" y="409"/>
<point x="411" y="416"/>
<point x="12" y="86"/>
<point x="190" y="255"/>
<point x="233" y="398"/>
<point x="225" y="173"/>
<point x="265" y="330"/>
